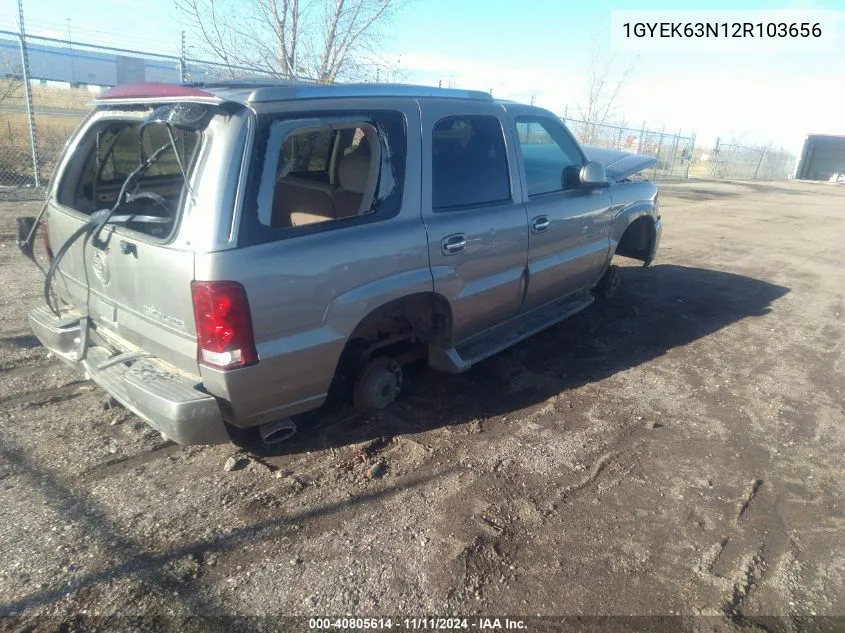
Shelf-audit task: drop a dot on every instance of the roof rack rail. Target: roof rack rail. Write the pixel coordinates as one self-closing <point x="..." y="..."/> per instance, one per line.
<point x="284" y="90"/>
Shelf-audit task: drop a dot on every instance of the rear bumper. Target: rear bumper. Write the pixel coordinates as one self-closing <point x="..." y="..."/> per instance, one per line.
<point x="167" y="400"/>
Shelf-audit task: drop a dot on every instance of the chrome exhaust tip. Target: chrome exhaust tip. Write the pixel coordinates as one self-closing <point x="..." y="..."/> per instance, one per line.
<point x="277" y="431"/>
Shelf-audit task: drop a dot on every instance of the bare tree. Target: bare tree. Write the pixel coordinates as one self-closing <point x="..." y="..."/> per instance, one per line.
<point x="9" y="87"/>
<point x="10" y="69"/>
<point x="325" y="40"/>
<point x="603" y="88"/>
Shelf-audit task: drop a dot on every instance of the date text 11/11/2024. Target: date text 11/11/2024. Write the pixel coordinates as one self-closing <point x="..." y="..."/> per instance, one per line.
<point x="417" y="624"/>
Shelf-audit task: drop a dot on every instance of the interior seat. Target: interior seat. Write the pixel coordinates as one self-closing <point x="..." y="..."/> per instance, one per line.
<point x="353" y="176"/>
<point x="358" y="175"/>
<point x="299" y="201"/>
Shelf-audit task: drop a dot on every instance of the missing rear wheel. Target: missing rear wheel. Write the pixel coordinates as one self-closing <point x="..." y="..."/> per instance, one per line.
<point x="378" y="385"/>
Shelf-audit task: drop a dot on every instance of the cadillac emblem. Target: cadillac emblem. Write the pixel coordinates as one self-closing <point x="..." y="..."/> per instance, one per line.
<point x="100" y="266"/>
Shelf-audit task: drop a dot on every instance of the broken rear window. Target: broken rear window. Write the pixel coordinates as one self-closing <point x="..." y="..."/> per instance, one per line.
<point x="110" y="151"/>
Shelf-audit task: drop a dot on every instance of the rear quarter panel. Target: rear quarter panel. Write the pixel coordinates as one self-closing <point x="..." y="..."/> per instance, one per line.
<point x="308" y="293"/>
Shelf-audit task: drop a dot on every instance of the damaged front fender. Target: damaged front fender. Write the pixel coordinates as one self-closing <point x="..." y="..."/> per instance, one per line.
<point x="636" y="227"/>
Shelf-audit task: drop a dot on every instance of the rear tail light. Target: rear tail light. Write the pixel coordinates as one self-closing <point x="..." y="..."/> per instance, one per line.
<point x="224" y="327"/>
<point x="46" y="235"/>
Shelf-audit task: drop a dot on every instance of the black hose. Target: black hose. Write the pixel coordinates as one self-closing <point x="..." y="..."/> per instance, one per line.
<point x="91" y="228"/>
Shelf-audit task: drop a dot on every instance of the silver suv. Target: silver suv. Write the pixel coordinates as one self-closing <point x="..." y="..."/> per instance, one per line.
<point x="222" y="254"/>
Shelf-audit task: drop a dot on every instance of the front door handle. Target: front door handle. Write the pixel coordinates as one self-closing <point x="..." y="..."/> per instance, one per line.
<point x="540" y="224"/>
<point x="453" y="244"/>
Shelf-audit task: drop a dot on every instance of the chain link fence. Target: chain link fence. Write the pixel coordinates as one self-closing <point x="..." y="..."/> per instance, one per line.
<point x="672" y="151"/>
<point x="736" y="162"/>
<point x="65" y="77"/>
<point x="56" y="111"/>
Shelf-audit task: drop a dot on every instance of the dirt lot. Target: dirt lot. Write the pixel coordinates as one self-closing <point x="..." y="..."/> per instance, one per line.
<point x="679" y="453"/>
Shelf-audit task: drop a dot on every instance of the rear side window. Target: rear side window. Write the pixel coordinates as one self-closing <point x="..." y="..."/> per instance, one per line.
<point x="324" y="175"/>
<point x="552" y="159"/>
<point x="110" y="151"/>
<point x="324" y="172"/>
<point x="308" y="152"/>
<point x="469" y="163"/>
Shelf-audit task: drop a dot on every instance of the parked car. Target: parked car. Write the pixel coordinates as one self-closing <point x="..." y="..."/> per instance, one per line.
<point x="223" y="254"/>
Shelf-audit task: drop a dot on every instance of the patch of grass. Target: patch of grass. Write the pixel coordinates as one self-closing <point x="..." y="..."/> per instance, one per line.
<point x="45" y="97"/>
<point x="53" y="129"/>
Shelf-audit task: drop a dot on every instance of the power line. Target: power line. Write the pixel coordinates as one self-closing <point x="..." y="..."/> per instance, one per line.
<point x="112" y="49"/>
<point x="117" y="43"/>
<point x="96" y="34"/>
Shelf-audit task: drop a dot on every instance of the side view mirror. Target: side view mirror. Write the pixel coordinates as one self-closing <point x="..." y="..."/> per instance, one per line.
<point x="25" y="236"/>
<point x="593" y="176"/>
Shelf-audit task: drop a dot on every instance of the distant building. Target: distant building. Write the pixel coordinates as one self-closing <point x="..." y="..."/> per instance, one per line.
<point x="822" y="157"/>
<point x="83" y="66"/>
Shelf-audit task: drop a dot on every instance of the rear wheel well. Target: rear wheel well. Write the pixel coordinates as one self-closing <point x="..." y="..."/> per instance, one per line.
<point x="637" y="240"/>
<point x="402" y="328"/>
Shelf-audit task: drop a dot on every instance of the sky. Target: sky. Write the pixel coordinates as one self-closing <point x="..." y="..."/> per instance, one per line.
<point x="542" y="49"/>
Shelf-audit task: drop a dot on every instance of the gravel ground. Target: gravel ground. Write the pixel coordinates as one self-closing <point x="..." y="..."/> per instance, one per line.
<point x="679" y="452"/>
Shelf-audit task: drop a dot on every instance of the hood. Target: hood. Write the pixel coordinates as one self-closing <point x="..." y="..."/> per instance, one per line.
<point x="619" y="165"/>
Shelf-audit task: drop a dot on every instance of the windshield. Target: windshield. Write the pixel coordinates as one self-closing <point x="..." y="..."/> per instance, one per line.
<point x="110" y="151"/>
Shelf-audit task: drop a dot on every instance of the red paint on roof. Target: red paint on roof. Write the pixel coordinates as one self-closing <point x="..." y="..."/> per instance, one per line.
<point x="152" y="90"/>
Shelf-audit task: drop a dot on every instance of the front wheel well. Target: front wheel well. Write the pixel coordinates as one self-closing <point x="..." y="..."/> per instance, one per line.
<point x="637" y="240"/>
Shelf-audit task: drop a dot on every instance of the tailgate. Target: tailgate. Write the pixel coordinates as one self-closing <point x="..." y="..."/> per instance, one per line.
<point x="134" y="279"/>
<point x="134" y="289"/>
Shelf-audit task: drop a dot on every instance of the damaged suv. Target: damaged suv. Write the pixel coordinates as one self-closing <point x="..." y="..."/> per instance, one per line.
<point x="221" y="255"/>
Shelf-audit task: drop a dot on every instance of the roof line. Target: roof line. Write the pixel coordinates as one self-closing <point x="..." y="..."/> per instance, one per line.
<point x="300" y="90"/>
<point x="262" y="91"/>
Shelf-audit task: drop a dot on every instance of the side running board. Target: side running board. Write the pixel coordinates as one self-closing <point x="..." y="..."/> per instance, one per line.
<point x="459" y="359"/>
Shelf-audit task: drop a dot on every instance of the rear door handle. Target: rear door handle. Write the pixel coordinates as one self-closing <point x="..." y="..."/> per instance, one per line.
<point x="453" y="244"/>
<point x="540" y="224"/>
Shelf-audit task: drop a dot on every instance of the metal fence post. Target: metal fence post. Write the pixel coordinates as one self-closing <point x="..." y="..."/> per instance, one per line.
<point x="674" y="153"/>
<point x="659" y="150"/>
<point x="690" y="157"/>
<point x="183" y="72"/>
<point x="33" y="136"/>
<point x="715" y="163"/>
<point x="642" y="137"/>
<point x="759" y="162"/>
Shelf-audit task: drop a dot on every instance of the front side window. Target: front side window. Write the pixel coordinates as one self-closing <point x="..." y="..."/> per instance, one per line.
<point x="552" y="159"/>
<point x="469" y="163"/>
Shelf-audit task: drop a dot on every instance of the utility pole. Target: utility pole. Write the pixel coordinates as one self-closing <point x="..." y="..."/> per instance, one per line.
<point x="183" y="73"/>
<point x="33" y="137"/>
<point x="72" y="64"/>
